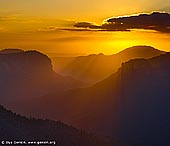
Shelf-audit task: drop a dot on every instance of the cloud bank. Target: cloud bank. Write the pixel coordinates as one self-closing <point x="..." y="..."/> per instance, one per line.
<point x="155" y="21"/>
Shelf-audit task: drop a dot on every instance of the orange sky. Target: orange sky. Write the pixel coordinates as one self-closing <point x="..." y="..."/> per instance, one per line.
<point x="36" y="25"/>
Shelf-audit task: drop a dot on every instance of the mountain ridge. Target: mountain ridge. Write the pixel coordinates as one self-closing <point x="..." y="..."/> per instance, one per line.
<point x="96" y="67"/>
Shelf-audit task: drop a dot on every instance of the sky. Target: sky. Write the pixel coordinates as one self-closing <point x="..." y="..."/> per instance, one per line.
<point x="43" y="25"/>
<point x="80" y="9"/>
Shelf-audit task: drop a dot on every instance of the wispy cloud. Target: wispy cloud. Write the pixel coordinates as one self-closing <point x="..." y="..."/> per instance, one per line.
<point x="7" y="18"/>
<point x="87" y="25"/>
<point x="19" y="23"/>
<point x="70" y="38"/>
<point x="77" y="29"/>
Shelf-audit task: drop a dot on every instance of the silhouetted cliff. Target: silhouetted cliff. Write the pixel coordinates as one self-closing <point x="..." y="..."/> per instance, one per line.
<point x="27" y="75"/>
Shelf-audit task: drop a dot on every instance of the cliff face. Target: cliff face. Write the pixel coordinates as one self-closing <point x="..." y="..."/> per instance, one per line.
<point x="24" y="62"/>
<point x="27" y="75"/>
<point x="19" y="70"/>
<point x="155" y="69"/>
<point x="143" y="101"/>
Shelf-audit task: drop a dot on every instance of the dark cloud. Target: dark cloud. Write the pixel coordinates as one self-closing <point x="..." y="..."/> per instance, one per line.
<point x="155" y="21"/>
<point x="87" y="25"/>
<point x="77" y="29"/>
<point x="80" y="26"/>
<point x="87" y="29"/>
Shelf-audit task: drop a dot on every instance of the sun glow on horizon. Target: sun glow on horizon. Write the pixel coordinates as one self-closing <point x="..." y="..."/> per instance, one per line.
<point x="85" y="42"/>
<point x="49" y="26"/>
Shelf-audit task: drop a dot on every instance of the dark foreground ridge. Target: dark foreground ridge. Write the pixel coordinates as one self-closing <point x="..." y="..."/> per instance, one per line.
<point x="16" y="127"/>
